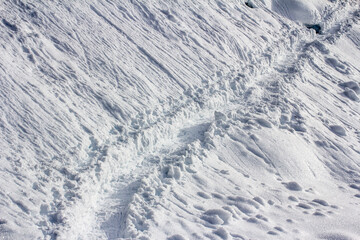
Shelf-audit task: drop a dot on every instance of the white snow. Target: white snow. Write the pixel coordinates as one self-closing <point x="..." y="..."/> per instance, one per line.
<point x="299" y="10"/>
<point x="180" y="119"/>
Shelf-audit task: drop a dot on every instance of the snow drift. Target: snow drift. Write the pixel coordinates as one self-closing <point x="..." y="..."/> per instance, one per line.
<point x="299" y="10"/>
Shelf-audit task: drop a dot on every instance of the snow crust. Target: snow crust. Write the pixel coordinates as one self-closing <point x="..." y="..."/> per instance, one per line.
<point x="179" y="119"/>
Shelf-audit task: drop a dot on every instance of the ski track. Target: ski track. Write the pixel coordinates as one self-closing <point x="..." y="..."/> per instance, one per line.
<point x="166" y="163"/>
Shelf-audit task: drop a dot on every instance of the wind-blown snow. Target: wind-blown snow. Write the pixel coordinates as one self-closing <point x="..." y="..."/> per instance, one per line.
<point x="179" y="119"/>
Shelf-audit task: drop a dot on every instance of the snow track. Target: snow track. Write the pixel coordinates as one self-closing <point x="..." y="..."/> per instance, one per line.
<point x="197" y="140"/>
<point x="172" y="162"/>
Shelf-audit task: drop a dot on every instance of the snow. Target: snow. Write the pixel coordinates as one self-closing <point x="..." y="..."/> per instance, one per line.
<point x="179" y="119"/>
<point x="299" y="10"/>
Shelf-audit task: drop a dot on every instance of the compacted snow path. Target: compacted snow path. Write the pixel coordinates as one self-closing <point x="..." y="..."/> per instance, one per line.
<point x="128" y="208"/>
<point x="221" y="121"/>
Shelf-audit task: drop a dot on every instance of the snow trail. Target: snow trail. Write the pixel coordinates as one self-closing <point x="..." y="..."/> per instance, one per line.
<point x="272" y="95"/>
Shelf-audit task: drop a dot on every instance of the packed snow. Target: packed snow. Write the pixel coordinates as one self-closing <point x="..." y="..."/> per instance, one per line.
<point x="180" y="119"/>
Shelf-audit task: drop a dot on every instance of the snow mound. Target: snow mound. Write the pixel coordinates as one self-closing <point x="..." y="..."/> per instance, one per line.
<point x="304" y="11"/>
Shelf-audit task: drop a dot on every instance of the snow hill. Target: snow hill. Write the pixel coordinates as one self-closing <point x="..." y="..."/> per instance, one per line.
<point x="180" y="119"/>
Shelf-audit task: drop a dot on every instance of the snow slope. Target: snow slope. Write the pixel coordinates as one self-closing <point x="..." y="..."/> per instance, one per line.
<point x="179" y="120"/>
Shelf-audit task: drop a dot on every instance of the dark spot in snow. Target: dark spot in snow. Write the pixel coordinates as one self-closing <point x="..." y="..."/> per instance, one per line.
<point x="338" y="130"/>
<point x="303" y="205"/>
<point x="176" y="237"/>
<point x="354" y="186"/>
<point x="319" y="214"/>
<point x="293" y="186"/>
<point x="34" y="14"/>
<point x="316" y="27"/>
<point x="56" y="218"/>
<point x="12" y="27"/>
<point x="22" y="206"/>
<point x="321" y="202"/>
<point x="250" y="4"/>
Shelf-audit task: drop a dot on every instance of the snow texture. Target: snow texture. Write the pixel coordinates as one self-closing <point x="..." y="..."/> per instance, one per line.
<point x="180" y="119"/>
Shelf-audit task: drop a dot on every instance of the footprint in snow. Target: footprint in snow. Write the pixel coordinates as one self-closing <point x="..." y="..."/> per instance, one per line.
<point x="204" y="195"/>
<point x="264" y="123"/>
<point x="222" y="233"/>
<point x="319" y="214"/>
<point x="293" y="186"/>
<point x="176" y="237"/>
<point x="351" y="94"/>
<point x="304" y="206"/>
<point x="351" y="85"/>
<point x="321" y="202"/>
<point x="338" y="130"/>
<point x="338" y="66"/>
<point x="292" y="198"/>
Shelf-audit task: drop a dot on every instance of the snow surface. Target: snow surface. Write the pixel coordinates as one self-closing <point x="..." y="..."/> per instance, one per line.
<point x="179" y="119"/>
<point x="300" y="10"/>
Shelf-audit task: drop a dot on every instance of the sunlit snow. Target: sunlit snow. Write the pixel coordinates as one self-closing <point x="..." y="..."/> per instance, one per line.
<point x="180" y="119"/>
